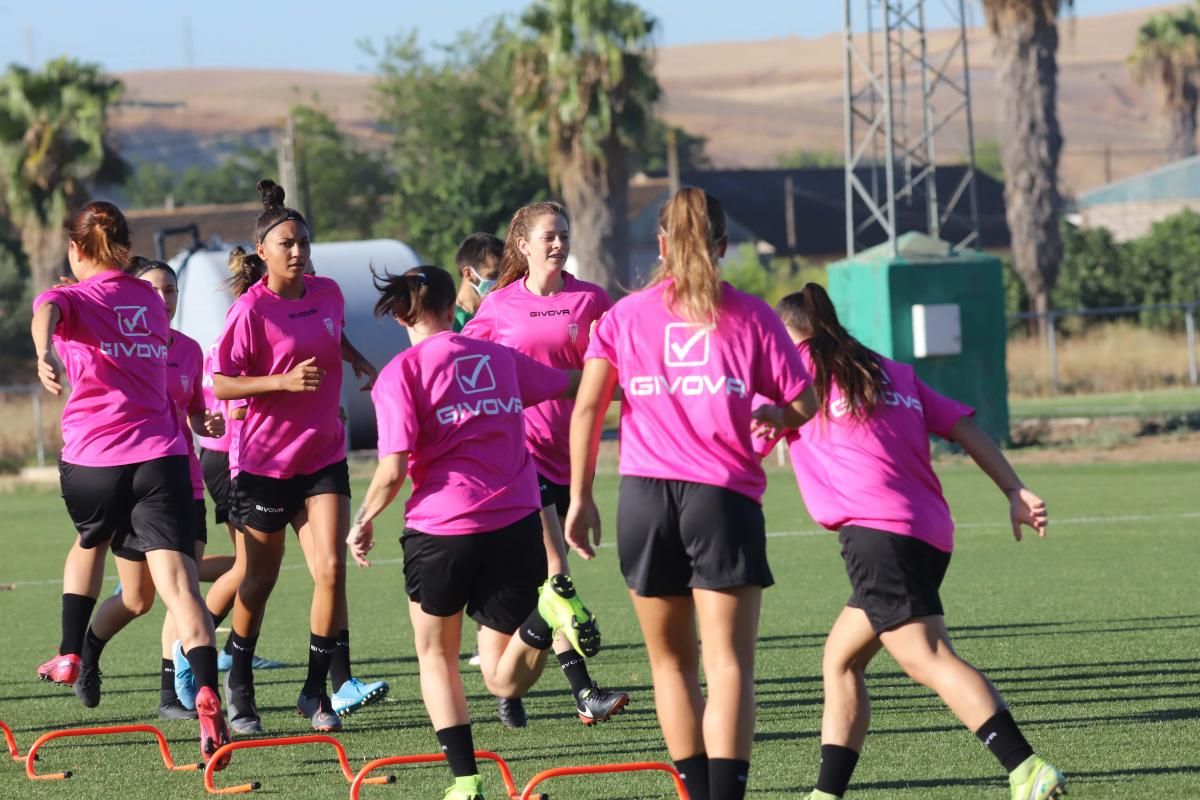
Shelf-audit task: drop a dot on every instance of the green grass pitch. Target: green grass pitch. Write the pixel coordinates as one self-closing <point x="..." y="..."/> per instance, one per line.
<point x="1093" y="635"/>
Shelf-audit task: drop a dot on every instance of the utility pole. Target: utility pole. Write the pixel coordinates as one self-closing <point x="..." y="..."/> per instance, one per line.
<point x="287" y="164"/>
<point x="672" y="159"/>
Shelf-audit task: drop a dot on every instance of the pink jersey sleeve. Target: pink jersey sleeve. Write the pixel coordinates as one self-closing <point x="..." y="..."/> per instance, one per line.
<point x="196" y="404"/>
<point x="483" y="324"/>
<point x="603" y="343"/>
<point x="780" y="373"/>
<point x="66" y="309"/>
<point x="235" y="348"/>
<point x="396" y="418"/>
<point x="537" y="381"/>
<point x="940" y="412"/>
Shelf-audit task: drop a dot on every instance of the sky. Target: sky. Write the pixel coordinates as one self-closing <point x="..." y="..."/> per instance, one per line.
<point x="125" y="35"/>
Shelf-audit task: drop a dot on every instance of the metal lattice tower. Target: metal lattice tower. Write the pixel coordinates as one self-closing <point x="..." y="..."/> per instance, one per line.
<point x="901" y="102"/>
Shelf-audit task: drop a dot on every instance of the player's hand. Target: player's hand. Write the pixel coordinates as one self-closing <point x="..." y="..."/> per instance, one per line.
<point x="766" y="422"/>
<point x="362" y="368"/>
<point x="1026" y="508"/>
<point x="304" y="377"/>
<point x="47" y="372"/>
<point x="214" y="424"/>
<point x="64" y="280"/>
<point x="361" y="540"/>
<point x="582" y="517"/>
<point x="238" y="413"/>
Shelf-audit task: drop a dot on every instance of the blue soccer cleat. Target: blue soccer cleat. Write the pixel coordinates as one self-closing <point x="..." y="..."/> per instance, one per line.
<point x="185" y="681"/>
<point x="354" y="694"/>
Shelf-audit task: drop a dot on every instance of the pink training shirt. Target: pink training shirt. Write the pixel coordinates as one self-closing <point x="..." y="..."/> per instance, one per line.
<point x="689" y="387"/>
<point x="184" y="366"/>
<point x="112" y="338"/>
<point x="211" y="403"/>
<point x="287" y="433"/>
<point x="877" y="473"/>
<point x="454" y="404"/>
<point x="556" y="331"/>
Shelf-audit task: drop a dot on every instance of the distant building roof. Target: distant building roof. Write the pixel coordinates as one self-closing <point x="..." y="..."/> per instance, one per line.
<point x="1176" y="181"/>
<point x="756" y="198"/>
<point x="233" y="222"/>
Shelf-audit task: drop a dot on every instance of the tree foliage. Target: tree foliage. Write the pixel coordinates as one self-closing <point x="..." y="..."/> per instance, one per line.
<point x="1167" y="55"/>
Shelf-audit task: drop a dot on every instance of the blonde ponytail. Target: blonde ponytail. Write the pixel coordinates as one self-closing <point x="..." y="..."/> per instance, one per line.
<point x="694" y="223"/>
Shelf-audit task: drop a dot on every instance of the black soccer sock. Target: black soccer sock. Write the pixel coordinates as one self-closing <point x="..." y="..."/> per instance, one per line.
<point x="93" y="646"/>
<point x="242" y="650"/>
<point x="1002" y="736"/>
<point x="228" y="648"/>
<point x="166" y="683"/>
<point x="536" y="632"/>
<point x="203" y="661"/>
<point x="727" y="778"/>
<point x="575" y="668"/>
<point x="459" y="748"/>
<point x="837" y="767"/>
<point x="694" y="771"/>
<point x="339" y="668"/>
<point x="320" y="653"/>
<point x="217" y="619"/>
<point x="76" y="611"/>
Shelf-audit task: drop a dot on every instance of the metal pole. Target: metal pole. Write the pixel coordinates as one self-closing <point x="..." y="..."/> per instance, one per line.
<point x="1052" y="343"/>
<point x="972" y="192"/>
<point x="37" y="422"/>
<point x="848" y="129"/>
<point x="1190" y="320"/>
<point x="889" y="131"/>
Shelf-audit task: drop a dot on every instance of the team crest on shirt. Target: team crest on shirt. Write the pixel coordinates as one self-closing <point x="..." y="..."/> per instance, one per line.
<point x="183" y="381"/>
<point x="573" y="332"/>
<point x="329" y="326"/>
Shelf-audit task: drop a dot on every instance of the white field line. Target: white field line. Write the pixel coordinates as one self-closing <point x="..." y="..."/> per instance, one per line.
<point x="999" y="524"/>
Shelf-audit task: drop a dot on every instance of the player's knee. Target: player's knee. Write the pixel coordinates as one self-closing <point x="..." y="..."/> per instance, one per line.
<point x="329" y="571"/>
<point x="138" y="603"/>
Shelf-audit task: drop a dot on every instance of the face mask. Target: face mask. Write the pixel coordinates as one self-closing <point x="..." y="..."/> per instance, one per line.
<point x="484" y="286"/>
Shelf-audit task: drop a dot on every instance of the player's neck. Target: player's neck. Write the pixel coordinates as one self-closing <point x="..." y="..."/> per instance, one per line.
<point x="468" y="299"/>
<point x="426" y="328"/>
<point x="545" y="283"/>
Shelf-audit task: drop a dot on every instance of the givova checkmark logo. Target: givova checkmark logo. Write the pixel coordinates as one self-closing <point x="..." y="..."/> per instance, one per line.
<point x="688" y="344"/>
<point x="474" y="374"/>
<point x="132" y="320"/>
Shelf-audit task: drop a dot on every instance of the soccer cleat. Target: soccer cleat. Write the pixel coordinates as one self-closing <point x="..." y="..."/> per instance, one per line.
<point x="817" y="794"/>
<point x="175" y="710"/>
<point x="1043" y="781"/>
<point x="63" y="670"/>
<point x="599" y="705"/>
<point x="559" y="605"/>
<point x="474" y="660"/>
<point x="354" y="694"/>
<point x="512" y="712"/>
<point x="213" y="733"/>
<point x="470" y="788"/>
<point x="319" y="710"/>
<point x="240" y="709"/>
<point x="185" y="681"/>
<point x="225" y="662"/>
<point x="87" y="686"/>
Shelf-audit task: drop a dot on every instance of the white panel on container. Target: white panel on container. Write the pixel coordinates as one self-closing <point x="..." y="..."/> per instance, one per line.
<point x="937" y="330"/>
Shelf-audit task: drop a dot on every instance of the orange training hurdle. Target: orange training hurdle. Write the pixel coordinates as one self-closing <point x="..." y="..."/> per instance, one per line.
<point x="114" y="730"/>
<point x="11" y="741"/>
<point x="510" y="786"/>
<point x="285" y="741"/>
<point x="637" y="766"/>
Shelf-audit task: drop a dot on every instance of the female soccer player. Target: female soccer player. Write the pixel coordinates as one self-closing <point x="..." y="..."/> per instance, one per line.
<point x="450" y="414"/>
<point x="547" y="313"/>
<point x="124" y="466"/>
<point x="478" y="260"/>
<point x="689" y="353"/>
<point x="864" y="471"/>
<point x="283" y="338"/>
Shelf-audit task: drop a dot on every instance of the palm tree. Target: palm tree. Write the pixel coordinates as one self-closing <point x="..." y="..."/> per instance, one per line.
<point x="583" y="89"/>
<point x="1167" y="54"/>
<point x="1025" y="34"/>
<point x="53" y="144"/>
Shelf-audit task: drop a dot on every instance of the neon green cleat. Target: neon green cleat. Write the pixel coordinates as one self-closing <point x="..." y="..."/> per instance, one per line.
<point x="817" y="794"/>
<point x="469" y="788"/>
<point x="560" y="606"/>
<point x="1037" y="779"/>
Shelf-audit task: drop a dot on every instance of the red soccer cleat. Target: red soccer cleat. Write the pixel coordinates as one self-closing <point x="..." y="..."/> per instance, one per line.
<point x="213" y="732"/>
<point x="63" y="670"/>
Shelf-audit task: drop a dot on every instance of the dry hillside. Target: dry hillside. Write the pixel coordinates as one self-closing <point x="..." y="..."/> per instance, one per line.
<point x="754" y="100"/>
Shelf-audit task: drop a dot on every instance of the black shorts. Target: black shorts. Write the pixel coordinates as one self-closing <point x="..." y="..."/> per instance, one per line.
<point x="495" y="575"/>
<point x="675" y="536"/>
<point x="137" y="508"/>
<point x="201" y="522"/>
<point x="215" y="464"/>
<point x="893" y="578"/>
<point x="269" y="504"/>
<point x="555" y="494"/>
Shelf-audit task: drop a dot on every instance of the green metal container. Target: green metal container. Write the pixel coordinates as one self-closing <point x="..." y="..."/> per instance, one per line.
<point x="942" y="313"/>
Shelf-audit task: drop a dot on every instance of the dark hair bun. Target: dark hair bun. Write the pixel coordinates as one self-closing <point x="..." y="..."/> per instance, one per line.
<point x="272" y="193"/>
